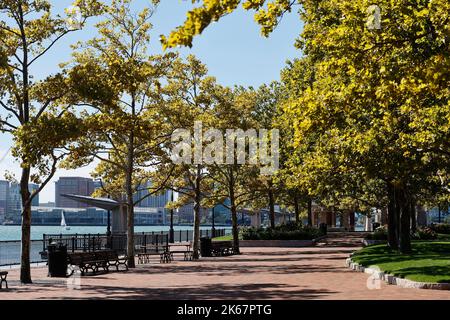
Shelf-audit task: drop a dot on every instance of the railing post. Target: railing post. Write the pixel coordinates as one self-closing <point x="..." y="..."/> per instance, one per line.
<point x="43" y="242"/>
<point x="73" y="244"/>
<point x="145" y="243"/>
<point x="167" y="243"/>
<point x="187" y="235"/>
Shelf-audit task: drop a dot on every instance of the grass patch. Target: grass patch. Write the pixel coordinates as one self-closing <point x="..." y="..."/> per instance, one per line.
<point x="443" y="237"/>
<point x="223" y="238"/>
<point x="428" y="262"/>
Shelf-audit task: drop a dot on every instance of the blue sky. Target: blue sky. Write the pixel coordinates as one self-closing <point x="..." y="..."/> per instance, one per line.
<point x="233" y="50"/>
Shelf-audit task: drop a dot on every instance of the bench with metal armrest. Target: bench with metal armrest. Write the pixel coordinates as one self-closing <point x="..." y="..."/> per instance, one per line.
<point x="222" y="248"/>
<point x="86" y="261"/>
<point x="144" y="253"/>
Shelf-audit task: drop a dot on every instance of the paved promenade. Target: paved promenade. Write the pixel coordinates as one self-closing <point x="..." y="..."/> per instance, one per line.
<point x="258" y="273"/>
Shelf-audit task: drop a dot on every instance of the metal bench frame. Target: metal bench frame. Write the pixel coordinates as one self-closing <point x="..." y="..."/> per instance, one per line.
<point x="3" y="276"/>
<point x="144" y="254"/>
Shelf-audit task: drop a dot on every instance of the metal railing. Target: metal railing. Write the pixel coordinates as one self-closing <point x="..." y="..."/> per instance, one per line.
<point x="97" y="242"/>
<point x="10" y="250"/>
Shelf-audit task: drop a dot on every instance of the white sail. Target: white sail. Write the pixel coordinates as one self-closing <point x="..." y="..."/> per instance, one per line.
<point x="63" y="220"/>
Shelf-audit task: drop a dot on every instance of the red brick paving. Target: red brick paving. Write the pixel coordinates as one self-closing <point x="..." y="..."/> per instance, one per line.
<point x="259" y="273"/>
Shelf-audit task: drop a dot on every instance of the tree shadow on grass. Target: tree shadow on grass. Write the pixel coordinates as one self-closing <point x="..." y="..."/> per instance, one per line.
<point x="426" y="271"/>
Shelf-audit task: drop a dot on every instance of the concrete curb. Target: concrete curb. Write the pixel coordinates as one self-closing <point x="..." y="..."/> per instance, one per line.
<point x="372" y="242"/>
<point x="390" y="279"/>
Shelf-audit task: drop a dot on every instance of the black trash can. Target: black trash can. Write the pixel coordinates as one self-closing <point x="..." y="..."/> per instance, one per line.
<point x="57" y="260"/>
<point x="375" y="225"/>
<point x="205" y="247"/>
<point x="323" y="228"/>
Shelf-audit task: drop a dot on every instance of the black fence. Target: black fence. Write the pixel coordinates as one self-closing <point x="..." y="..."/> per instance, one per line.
<point x="10" y="250"/>
<point x="98" y="242"/>
<point x="95" y="242"/>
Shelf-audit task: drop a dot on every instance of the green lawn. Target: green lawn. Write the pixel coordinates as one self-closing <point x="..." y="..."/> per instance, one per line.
<point x="429" y="261"/>
<point x="443" y="237"/>
<point x="224" y="238"/>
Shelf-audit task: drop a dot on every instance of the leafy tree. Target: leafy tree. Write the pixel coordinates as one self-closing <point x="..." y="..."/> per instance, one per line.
<point x="372" y="88"/>
<point x="375" y="108"/>
<point x="31" y="109"/>
<point x="232" y="179"/>
<point x="114" y="76"/>
<point x="189" y="96"/>
<point x="211" y="11"/>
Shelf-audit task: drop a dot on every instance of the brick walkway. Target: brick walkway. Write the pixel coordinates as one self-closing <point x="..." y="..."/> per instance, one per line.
<point x="259" y="273"/>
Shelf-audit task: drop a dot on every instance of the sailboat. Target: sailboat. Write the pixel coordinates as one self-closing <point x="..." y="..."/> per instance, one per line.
<point x="63" y="222"/>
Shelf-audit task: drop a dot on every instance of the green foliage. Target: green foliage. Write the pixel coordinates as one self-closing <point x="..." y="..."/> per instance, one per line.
<point x="381" y="233"/>
<point x="443" y="228"/>
<point x="425" y="233"/>
<point x="213" y="10"/>
<point x="290" y="231"/>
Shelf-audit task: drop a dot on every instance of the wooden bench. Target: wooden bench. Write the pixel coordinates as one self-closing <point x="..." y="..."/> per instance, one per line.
<point x="3" y="275"/>
<point x="222" y="248"/>
<point x="187" y="252"/>
<point x="93" y="261"/>
<point x="144" y="253"/>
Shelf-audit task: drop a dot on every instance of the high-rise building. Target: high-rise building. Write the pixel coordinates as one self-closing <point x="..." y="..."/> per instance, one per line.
<point x="4" y="191"/>
<point x="186" y="213"/>
<point x="14" y="201"/>
<point x="33" y="187"/>
<point x="158" y="200"/>
<point x="11" y="199"/>
<point x="72" y="185"/>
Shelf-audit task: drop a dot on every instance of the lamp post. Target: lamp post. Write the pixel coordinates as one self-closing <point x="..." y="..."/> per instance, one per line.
<point x="171" y="231"/>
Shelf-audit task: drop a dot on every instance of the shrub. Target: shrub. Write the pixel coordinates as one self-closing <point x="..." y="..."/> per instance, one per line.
<point x="425" y="233"/>
<point x="291" y="231"/>
<point x="380" y="233"/>
<point x="441" y="228"/>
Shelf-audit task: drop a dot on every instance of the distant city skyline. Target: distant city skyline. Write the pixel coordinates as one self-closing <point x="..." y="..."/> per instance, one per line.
<point x="233" y="50"/>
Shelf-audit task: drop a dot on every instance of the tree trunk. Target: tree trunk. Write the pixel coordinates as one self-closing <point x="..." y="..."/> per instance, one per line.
<point x="310" y="222"/>
<point x="130" y="218"/>
<point x="130" y="233"/>
<point x="392" y="218"/>
<point x="352" y="220"/>
<point x="129" y="191"/>
<point x="235" y="227"/>
<point x="296" y="209"/>
<point x="234" y="221"/>
<point x="271" y="208"/>
<point x="197" y="200"/>
<point x="413" y="217"/>
<point x="25" y="270"/>
<point x="384" y="216"/>
<point x="405" y="222"/>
